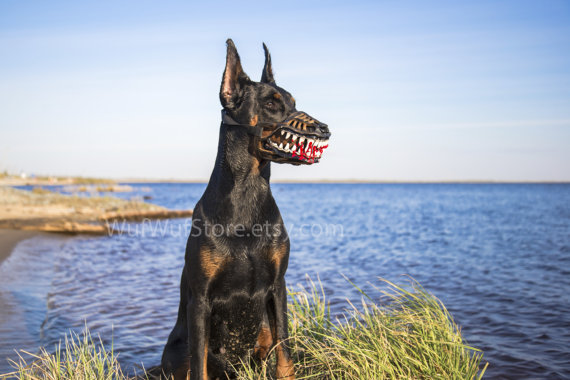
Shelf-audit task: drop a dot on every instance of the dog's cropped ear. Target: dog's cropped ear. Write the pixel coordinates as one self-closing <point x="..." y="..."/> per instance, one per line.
<point x="267" y="75"/>
<point x="234" y="77"/>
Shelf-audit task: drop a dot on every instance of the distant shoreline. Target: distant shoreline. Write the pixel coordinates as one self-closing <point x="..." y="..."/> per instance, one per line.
<point x="42" y="182"/>
<point x="352" y="181"/>
<point x="47" y="211"/>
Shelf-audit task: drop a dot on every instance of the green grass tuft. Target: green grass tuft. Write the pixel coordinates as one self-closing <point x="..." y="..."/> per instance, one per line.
<point x="409" y="335"/>
<point x="79" y="358"/>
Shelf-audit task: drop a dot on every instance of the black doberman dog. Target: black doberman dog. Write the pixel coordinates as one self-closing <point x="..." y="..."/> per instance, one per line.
<point x="233" y="303"/>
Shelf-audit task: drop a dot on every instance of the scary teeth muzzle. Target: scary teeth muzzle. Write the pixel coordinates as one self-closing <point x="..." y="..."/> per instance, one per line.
<point x="299" y="137"/>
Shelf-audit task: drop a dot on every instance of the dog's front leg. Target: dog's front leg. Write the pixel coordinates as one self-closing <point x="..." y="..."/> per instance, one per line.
<point x="285" y="368"/>
<point x="199" y="332"/>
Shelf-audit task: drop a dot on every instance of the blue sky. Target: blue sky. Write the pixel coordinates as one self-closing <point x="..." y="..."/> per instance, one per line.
<point x="411" y="90"/>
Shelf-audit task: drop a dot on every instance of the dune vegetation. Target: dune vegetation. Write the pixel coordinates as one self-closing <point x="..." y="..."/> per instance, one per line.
<point x="408" y="335"/>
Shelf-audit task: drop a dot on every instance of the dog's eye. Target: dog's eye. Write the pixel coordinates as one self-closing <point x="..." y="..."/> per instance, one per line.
<point x="270" y="104"/>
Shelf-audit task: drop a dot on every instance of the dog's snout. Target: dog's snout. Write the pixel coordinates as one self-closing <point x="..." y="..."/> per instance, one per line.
<point x="324" y="129"/>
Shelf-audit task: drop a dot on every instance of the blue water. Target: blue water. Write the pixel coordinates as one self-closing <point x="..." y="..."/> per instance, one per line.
<point x="498" y="256"/>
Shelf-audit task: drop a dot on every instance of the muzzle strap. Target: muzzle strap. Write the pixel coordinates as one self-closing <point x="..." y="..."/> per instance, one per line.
<point x="254" y="130"/>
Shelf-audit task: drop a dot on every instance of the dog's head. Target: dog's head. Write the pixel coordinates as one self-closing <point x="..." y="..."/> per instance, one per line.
<point x="277" y="131"/>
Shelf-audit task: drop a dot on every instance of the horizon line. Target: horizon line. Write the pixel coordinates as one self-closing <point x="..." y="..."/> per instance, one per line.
<point x="354" y="181"/>
<point x="42" y="179"/>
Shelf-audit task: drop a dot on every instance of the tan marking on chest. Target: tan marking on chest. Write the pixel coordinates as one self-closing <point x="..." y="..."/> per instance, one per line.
<point x="211" y="262"/>
<point x="277" y="254"/>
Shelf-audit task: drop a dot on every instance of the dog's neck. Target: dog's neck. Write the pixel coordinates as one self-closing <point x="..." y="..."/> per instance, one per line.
<point x="239" y="185"/>
<point x="235" y="162"/>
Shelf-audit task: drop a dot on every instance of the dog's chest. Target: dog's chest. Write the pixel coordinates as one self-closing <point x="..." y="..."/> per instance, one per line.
<point x="247" y="272"/>
<point x="234" y="326"/>
<point x="239" y="299"/>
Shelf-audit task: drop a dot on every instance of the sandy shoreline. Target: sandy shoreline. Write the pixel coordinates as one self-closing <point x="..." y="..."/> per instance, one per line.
<point x="43" y="210"/>
<point x="10" y="238"/>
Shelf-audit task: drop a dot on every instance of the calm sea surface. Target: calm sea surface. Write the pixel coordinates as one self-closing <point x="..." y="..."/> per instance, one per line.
<point x="498" y="256"/>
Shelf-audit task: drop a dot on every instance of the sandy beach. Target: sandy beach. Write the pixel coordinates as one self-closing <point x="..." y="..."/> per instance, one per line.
<point x="10" y="238"/>
<point x="24" y="214"/>
<point x="43" y="210"/>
